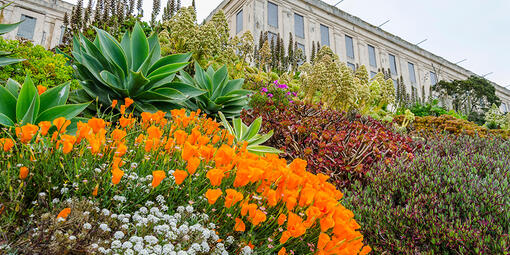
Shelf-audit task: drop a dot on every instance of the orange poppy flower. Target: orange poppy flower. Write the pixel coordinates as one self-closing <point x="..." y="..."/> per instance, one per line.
<point x="281" y="219"/>
<point x="247" y="207"/>
<point x="212" y="195"/>
<point x="282" y="251"/>
<point x="215" y="139"/>
<point x="6" y="144"/>
<point x="154" y="132"/>
<point x="26" y="132"/>
<point x="23" y="172"/>
<point x="96" y="124"/>
<point x="258" y="217"/>
<point x="118" y="135"/>
<point x="64" y="213"/>
<point x="295" y="225"/>
<point x="45" y="126"/>
<point x="170" y="143"/>
<point x="224" y="155"/>
<point x="41" y="89"/>
<point x="188" y="151"/>
<point x="232" y="197"/>
<point x="206" y="152"/>
<point x="327" y="223"/>
<point x="117" y="175"/>
<point x="285" y="236"/>
<point x="157" y="177"/>
<point x="128" y="101"/>
<point x="180" y="176"/>
<point x="122" y="109"/>
<point x="323" y="240"/>
<point x="114" y="103"/>
<point x="215" y="176"/>
<point x="121" y="150"/>
<point x="180" y="137"/>
<point x="239" y="226"/>
<point x="193" y="164"/>
<point x="94" y="192"/>
<point x="61" y="124"/>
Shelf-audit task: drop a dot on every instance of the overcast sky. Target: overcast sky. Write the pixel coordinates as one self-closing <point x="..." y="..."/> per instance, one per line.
<point x="476" y="30"/>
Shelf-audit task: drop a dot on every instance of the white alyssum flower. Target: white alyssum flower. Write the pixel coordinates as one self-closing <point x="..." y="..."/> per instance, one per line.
<point x="87" y="226"/>
<point x="118" y="235"/>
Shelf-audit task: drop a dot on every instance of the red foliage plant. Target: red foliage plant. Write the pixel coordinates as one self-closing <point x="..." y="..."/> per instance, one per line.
<point x="343" y="146"/>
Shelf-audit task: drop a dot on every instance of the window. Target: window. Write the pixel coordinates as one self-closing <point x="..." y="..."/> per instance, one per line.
<point x="433" y="78"/>
<point x="503" y="108"/>
<point x="371" y="56"/>
<point x="393" y="65"/>
<point x="349" y="47"/>
<point x="372" y="74"/>
<point x="324" y="35"/>
<point x="27" y="27"/>
<point x="302" y="48"/>
<point x="395" y="84"/>
<point x="272" y="14"/>
<point x="299" y="26"/>
<point x="43" y="39"/>
<point x="352" y="66"/>
<point x="239" y="21"/>
<point x="412" y="75"/>
<point x="271" y="37"/>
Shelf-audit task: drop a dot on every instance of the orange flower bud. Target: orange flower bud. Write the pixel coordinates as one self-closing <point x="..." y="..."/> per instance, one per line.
<point x="157" y="177"/>
<point x="180" y="176"/>
<point x="23" y="172"/>
<point x="212" y="195"/>
<point x="240" y="227"/>
<point x="64" y="213"/>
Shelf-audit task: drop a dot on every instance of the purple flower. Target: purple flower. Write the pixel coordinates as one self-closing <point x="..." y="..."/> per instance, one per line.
<point x="276" y="82"/>
<point x="288" y="93"/>
<point x="270" y="95"/>
<point x="283" y="86"/>
<point x="264" y="89"/>
<point x="294" y="93"/>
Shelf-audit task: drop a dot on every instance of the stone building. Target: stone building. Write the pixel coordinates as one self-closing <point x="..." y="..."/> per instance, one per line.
<point x="355" y="41"/>
<point x="43" y="20"/>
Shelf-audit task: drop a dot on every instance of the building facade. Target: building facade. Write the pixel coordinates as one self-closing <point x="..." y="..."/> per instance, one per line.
<point x="42" y="20"/>
<point x="355" y="41"/>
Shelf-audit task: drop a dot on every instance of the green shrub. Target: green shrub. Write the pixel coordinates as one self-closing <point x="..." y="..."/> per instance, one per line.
<point x="451" y="199"/>
<point x="45" y="67"/>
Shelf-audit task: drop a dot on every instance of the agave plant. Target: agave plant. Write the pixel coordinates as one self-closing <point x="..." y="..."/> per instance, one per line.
<point x="223" y="94"/>
<point x="21" y="104"/>
<point x="132" y="68"/>
<point x="250" y="134"/>
<point x="4" y="29"/>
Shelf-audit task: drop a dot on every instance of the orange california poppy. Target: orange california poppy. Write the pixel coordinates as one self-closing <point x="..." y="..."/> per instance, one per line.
<point x="45" y="126"/>
<point x="232" y="197"/>
<point x="282" y="251"/>
<point x="193" y="164"/>
<point x="258" y="217"/>
<point x="323" y="240"/>
<point x="121" y="150"/>
<point x="154" y="132"/>
<point x="23" y="172"/>
<point x="240" y="227"/>
<point x="61" y="124"/>
<point x="118" y="135"/>
<point x="285" y="236"/>
<point x="41" y="89"/>
<point x="180" y="137"/>
<point x="64" y="213"/>
<point x="114" y="103"/>
<point x="117" y="175"/>
<point x="26" y="132"/>
<point x="96" y="124"/>
<point x="215" y="176"/>
<point x="6" y="144"/>
<point x="94" y="192"/>
<point x="281" y="219"/>
<point x="180" y="176"/>
<point x="128" y="101"/>
<point x="212" y="195"/>
<point x="122" y="109"/>
<point x="157" y="177"/>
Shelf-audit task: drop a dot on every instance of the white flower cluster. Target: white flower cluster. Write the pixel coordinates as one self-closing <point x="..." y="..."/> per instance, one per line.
<point x="151" y="230"/>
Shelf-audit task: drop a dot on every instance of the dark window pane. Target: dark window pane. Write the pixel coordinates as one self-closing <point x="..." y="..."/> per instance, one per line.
<point x="412" y="75"/>
<point x="324" y="35"/>
<point x="272" y="14"/>
<point x="239" y="22"/>
<point x="27" y="27"/>
<point x="393" y="65"/>
<point x="433" y="78"/>
<point x="299" y="26"/>
<point x="349" y="47"/>
<point x="371" y="56"/>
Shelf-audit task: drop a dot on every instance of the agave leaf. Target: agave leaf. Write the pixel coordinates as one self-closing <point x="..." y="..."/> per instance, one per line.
<point x="13" y="87"/>
<point x="232" y="86"/>
<point x="260" y="139"/>
<point x="6" y="28"/>
<point x="225" y="123"/>
<point x="253" y="130"/>
<point x="238" y="130"/>
<point x="171" y="93"/>
<point x="154" y="46"/>
<point x="6" y="121"/>
<point x="111" y="80"/>
<point x="7" y="61"/>
<point x="67" y="111"/>
<point x="139" y="47"/>
<point x="186" y="89"/>
<point x="175" y="58"/>
<point x="154" y="54"/>
<point x="185" y="77"/>
<point x="202" y="80"/>
<point x="125" y="43"/>
<point x="27" y="94"/>
<point x="93" y="51"/>
<point x="146" y="107"/>
<point x="167" y="69"/>
<point x="31" y="113"/>
<point x="55" y="96"/>
<point x="136" y="80"/>
<point x="261" y="149"/>
<point x="7" y="103"/>
<point x="111" y="48"/>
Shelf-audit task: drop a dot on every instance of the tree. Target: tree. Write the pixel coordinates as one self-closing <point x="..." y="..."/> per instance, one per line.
<point x="472" y="97"/>
<point x="156" y="8"/>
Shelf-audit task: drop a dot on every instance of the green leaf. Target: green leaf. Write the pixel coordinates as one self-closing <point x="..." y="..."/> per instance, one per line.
<point x="219" y="77"/>
<point x="145" y="107"/>
<point x="30" y="114"/>
<point x="171" y="93"/>
<point x="261" y="149"/>
<point x="260" y="139"/>
<point x="7" y="104"/>
<point x="139" y="47"/>
<point x="136" y="80"/>
<point x="253" y="129"/>
<point x="238" y="125"/>
<point x="27" y="94"/>
<point x="125" y="43"/>
<point x="186" y="89"/>
<point x="111" y="80"/>
<point x="172" y="59"/>
<point x="6" y="28"/>
<point x="6" y="121"/>
<point x="168" y="69"/>
<point x="202" y="80"/>
<point x="13" y="87"/>
<point x="112" y="49"/>
<point x="7" y="61"/>
<point x="225" y="123"/>
<point x="233" y="85"/>
<point x="68" y="111"/>
<point x="55" y="96"/>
